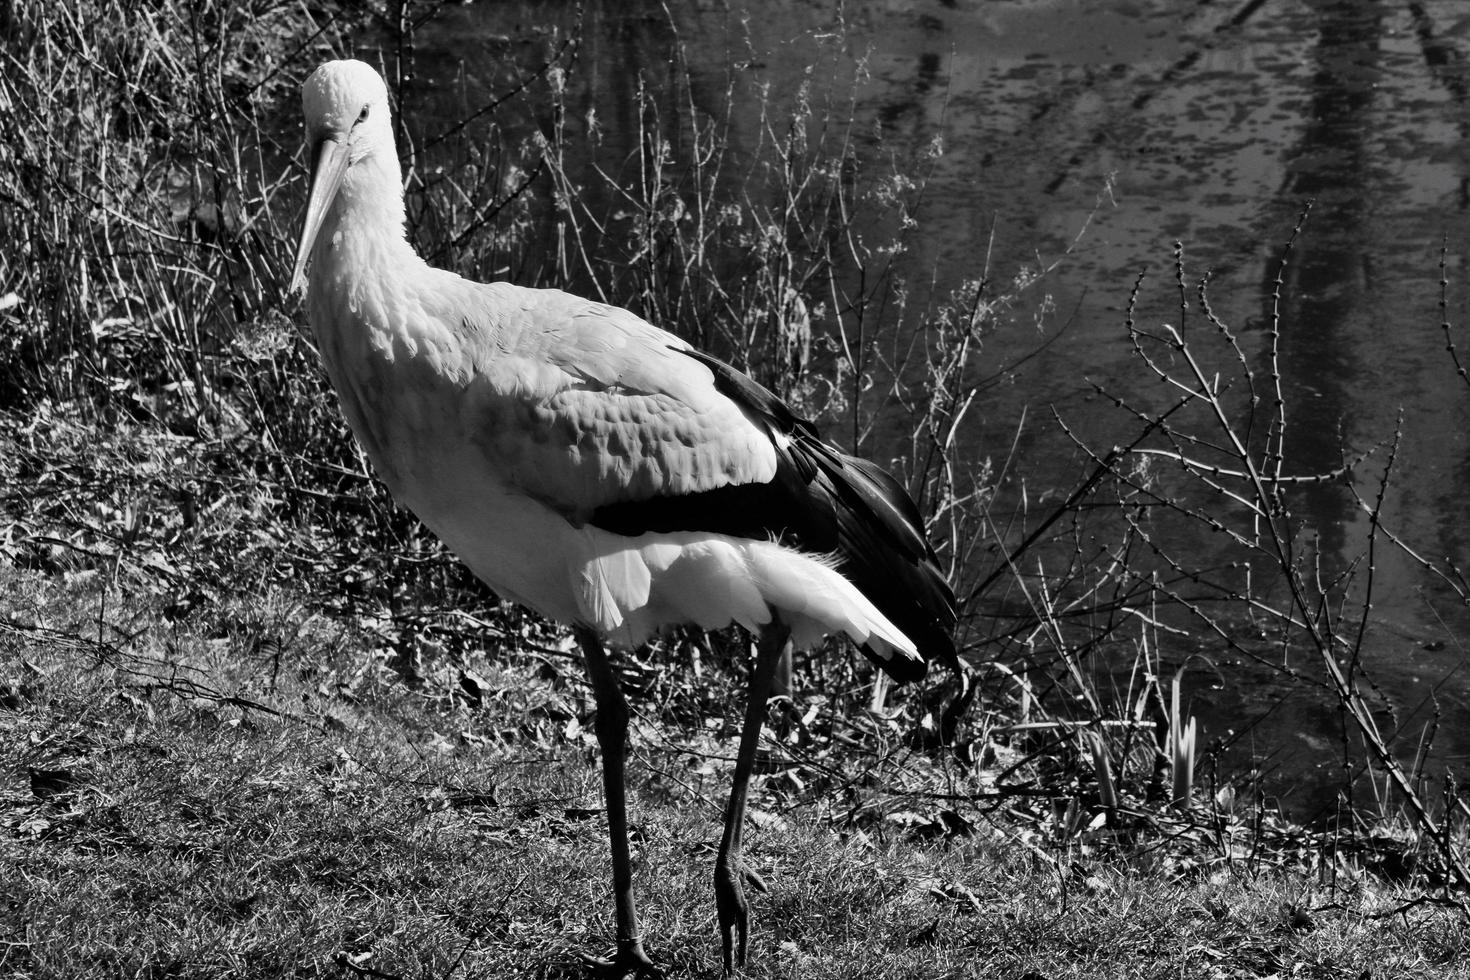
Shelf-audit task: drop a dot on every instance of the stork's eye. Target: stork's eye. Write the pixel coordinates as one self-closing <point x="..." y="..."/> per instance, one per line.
<point x="362" y="116"/>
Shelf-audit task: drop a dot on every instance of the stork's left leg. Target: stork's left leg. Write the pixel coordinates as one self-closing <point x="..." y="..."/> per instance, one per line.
<point x="612" y="738"/>
<point x="729" y="865"/>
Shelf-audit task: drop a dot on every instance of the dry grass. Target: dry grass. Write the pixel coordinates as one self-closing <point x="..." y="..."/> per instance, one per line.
<point x="169" y="810"/>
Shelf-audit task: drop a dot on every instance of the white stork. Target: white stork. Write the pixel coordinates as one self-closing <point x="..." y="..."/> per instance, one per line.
<point x="598" y="469"/>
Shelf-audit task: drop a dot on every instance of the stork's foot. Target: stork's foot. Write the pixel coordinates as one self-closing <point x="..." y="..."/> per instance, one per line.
<point x="630" y="961"/>
<point x="733" y="911"/>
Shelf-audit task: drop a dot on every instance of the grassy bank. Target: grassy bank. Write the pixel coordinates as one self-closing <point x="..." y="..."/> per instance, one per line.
<point x="176" y="807"/>
<point x="256" y="720"/>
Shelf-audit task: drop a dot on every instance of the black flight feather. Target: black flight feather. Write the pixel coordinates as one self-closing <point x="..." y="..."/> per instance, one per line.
<point x="821" y="501"/>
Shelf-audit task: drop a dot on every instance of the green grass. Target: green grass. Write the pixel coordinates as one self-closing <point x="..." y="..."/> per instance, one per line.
<point x="166" y="810"/>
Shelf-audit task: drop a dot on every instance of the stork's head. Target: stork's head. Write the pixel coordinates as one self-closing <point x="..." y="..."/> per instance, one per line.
<point x="347" y="122"/>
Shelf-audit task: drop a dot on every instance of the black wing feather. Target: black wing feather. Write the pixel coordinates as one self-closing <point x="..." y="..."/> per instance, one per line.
<point x="825" y="502"/>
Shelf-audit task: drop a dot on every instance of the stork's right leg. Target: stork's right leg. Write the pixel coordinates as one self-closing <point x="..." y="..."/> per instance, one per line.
<point x="612" y="737"/>
<point x="730" y="903"/>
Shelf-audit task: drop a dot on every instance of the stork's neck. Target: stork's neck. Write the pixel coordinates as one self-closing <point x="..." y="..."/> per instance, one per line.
<point x="364" y="283"/>
<point x="362" y="237"/>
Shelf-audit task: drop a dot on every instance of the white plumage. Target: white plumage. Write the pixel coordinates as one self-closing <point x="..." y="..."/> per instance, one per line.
<point x="593" y="467"/>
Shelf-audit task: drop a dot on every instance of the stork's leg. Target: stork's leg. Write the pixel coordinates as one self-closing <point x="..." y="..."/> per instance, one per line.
<point x="730" y="866"/>
<point x="782" y="686"/>
<point x="612" y="737"/>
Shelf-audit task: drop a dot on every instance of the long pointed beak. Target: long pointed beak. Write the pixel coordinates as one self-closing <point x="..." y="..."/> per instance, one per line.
<point x="329" y="164"/>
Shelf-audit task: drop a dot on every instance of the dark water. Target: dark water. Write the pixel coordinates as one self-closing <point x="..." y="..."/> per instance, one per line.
<point x="1093" y="135"/>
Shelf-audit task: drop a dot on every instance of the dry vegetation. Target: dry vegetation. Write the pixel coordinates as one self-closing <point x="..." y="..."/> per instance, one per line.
<point x="175" y="806"/>
<point x="254" y="720"/>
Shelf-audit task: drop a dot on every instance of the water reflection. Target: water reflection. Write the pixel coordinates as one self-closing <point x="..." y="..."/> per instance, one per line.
<point x="1208" y="123"/>
<point x="1329" y="280"/>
